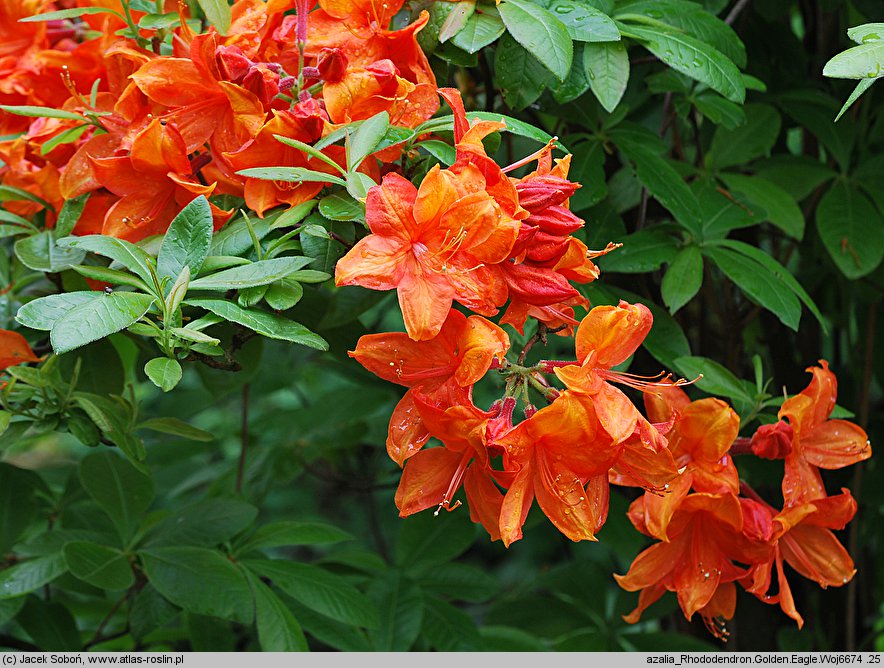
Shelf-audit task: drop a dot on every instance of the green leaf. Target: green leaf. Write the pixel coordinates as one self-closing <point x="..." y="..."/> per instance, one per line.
<point x="164" y="372"/>
<point x="340" y="206"/>
<point x="266" y="324"/>
<point x="358" y="185"/>
<point x="860" y="62"/>
<point x="41" y="112"/>
<point x="656" y="174"/>
<point x="694" y="58"/>
<point x="114" y="421"/>
<point x="749" y="141"/>
<point x="401" y="607"/>
<point x="480" y="30"/>
<point x="149" y="611"/>
<point x="720" y="111"/>
<point x="65" y="137"/>
<point x="159" y="21"/>
<point x="520" y="75"/>
<point x="251" y="275"/>
<point x="607" y="68"/>
<point x="98" y="565"/>
<point x="310" y="150"/>
<point x="861" y="87"/>
<point x="290" y="175"/>
<point x="288" y="217"/>
<point x="716" y="380"/>
<point x="317" y="589"/>
<point x="43" y="312"/>
<point x="176" y="427"/>
<point x="513" y="125"/>
<point x="18" y="504"/>
<point x="692" y="19"/>
<point x="365" y="140"/>
<point x="30" y="575"/>
<point x="13" y="194"/>
<point x="98" y="318"/>
<point x="132" y="257"/>
<point x="778" y="270"/>
<point x="683" y="278"/>
<point x="448" y="629"/>
<point x="218" y="13"/>
<point x="461" y="582"/>
<point x="69" y="14"/>
<point x="187" y="241"/>
<point x="234" y="239"/>
<point x="867" y="32"/>
<point x="40" y="253"/>
<point x="762" y="286"/>
<point x="287" y="533"/>
<point x="576" y="83"/>
<point x="284" y="294"/>
<point x="50" y="625"/>
<point x="205" y="523"/>
<point x="118" y="488"/>
<point x="278" y="630"/>
<point x="798" y="176"/>
<point x="426" y="540"/>
<point x="643" y="251"/>
<point x="584" y="22"/>
<point x="199" y="580"/>
<point x="851" y="229"/>
<point x="541" y="33"/>
<point x="69" y="215"/>
<point x="111" y="276"/>
<point x="780" y="208"/>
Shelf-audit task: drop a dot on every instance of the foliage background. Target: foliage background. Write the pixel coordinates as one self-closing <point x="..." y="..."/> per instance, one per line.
<point x="312" y="424"/>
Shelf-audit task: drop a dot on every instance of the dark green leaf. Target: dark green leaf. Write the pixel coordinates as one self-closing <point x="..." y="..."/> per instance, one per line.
<point x="283" y="295"/>
<point x="17" y="502"/>
<point x="480" y="30"/>
<point x="520" y="75"/>
<point x="69" y="215"/>
<point x="401" y="607"/>
<point x="683" y="278"/>
<point x="747" y="142"/>
<point x="584" y="22"/>
<point x="341" y="206"/>
<point x="175" y="427"/>
<point x="118" y="488"/>
<point x="851" y="229"/>
<point x="199" y="580"/>
<point x="447" y="628"/>
<point x="206" y="523"/>
<point x="99" y="565"/>
<point x="762" y="286"/>
<point x="365" y="140"/>
<point x="780" y="208"/>
<point x="426" y="540"/>
<point x="461" y="582"/>
<point x="716" y="380"/>
<point x="318" y="589"/>
<point x="278" y="630"/>
<point x="286" y="533"/>
<point x="642" y="251"/>
<point x="50" y="625"/>
<point x="30" y="575"/>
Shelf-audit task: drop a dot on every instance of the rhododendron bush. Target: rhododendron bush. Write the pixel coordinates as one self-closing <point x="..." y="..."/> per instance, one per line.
<point x="469" y="325"/>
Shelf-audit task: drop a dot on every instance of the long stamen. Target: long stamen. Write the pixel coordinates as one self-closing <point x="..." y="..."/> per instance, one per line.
<point x="455" y="484"/>
<point x="534" y="156"/>
<point x="645" y="383"/>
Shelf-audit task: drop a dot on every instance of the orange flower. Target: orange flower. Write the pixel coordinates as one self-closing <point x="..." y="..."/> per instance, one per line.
<point x="14" y="349"/>
<point x="552" y="456"/>
<point x="697" y="562"/>
<point x="606" y="337"/>
<point x="818" y="441"/>
<point x="433" y="476"/>
<point x="800" y="536"/>
<point x="446" y="366"/>
<point x="434" y="245"/>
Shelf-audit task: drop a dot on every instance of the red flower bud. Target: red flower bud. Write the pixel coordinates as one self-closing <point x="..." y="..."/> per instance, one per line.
<point x="555" y="220"/>
<point x="546" y="248"/>
<point x="263" y="83"/>
<point x="545" y="190"/>
<point x="757" y="520"/>
<point x="332" y="64"/>
<point x="233" y="63"/>
<point x="773" y="441"/>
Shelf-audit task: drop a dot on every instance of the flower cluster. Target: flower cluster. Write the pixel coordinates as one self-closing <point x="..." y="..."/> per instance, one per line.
<point x="146" y="130"/>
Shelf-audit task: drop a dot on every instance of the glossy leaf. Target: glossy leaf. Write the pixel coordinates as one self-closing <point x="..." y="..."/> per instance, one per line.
<point x="187" y="242"/>
<point x="683" y="278"/>
<point x="98" y="318"/>
<point x="541" y="33"/>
